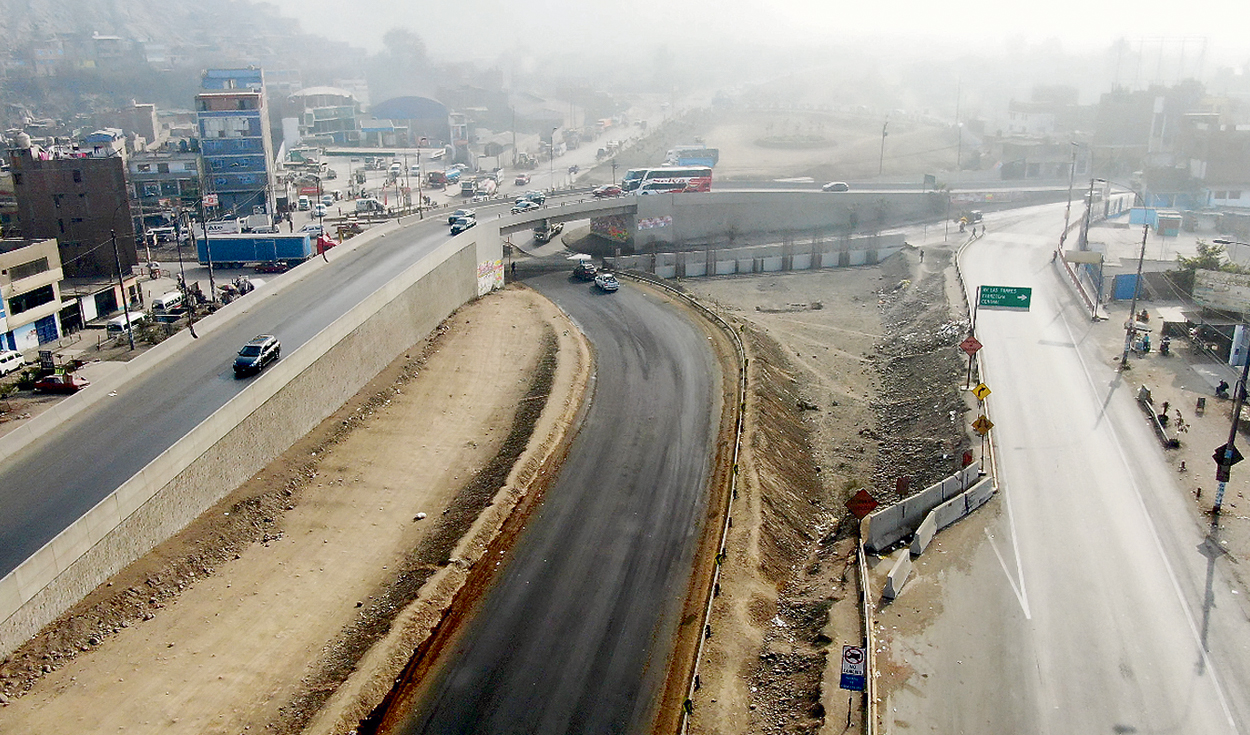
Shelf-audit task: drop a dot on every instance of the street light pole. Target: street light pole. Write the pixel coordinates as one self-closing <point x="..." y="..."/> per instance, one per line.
<point x="1131" y="327"/>
<point x="1083" y="244"/>
<point x="881" y="160"/>
<point x="1067" y="213"/>
<point x="551" y="161"/>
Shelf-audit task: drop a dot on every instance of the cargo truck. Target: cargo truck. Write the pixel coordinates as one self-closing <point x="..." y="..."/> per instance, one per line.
<point x="236" y="251"/>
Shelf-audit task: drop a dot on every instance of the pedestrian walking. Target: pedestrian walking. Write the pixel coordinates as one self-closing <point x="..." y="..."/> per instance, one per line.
<point x="922" y="255"/>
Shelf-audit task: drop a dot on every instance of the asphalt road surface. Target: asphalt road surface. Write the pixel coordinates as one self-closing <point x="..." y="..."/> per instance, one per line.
<point x="574" y="637"/>
<point x="1094" y="603"/>
<point x="53" y="481"/>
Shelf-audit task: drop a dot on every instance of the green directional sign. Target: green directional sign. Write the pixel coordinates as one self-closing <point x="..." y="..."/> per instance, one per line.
<point x="1005" y="297"/>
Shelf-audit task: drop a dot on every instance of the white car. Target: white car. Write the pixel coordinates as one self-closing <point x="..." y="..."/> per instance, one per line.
<point x="836" y="186"/>
<point x="313" y="229"/>
<point x="607" y="282"/>
<point x="525" y="206"/>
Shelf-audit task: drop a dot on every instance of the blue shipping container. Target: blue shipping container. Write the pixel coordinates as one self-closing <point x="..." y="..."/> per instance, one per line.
<point x="255" y="248"/>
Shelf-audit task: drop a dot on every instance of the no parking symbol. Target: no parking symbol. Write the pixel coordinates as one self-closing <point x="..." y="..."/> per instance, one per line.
<point x="854" y="664"/>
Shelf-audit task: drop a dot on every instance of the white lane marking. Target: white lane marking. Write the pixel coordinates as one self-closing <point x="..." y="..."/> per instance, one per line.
<point x="1021" y="595"/>
<point x="1154" y="536"/>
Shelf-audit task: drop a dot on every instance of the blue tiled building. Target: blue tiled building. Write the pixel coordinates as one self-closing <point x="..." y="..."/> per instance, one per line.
<point x="234" y="142"/>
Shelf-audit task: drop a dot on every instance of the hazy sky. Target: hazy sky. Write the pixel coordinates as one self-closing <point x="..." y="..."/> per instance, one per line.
<point x="477" y="24"/>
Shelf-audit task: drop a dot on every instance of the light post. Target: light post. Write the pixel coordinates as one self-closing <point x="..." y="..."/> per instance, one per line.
<point x="1067" y="213"/>
<point x="552" y="160"/>
<point x="881" y="160"/>
<point x="1222" y="241"/>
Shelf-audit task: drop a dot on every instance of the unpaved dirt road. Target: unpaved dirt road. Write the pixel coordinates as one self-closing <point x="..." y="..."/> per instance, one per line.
<point x="249" y="624"/>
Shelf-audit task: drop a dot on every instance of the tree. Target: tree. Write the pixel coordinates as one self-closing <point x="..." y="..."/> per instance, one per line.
<point x="1209" y="258"/>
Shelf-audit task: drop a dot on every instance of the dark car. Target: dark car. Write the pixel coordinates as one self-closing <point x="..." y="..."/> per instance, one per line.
<point x="64" y="383"/>
<point x="609" y="190"/>
<point x="256" y="354"/>
<point x="534" y="196"/>
<point x="451" y="220"/>
<point x="585" y="270"/>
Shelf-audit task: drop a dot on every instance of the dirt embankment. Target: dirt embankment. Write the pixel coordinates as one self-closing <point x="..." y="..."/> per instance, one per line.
<point x="853" y="383"/>
<point x="293" y="604"/>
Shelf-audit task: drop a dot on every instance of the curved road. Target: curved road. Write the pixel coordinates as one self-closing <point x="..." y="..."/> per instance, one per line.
<point x="53" y="481"/>
<point x="574" y="636"/>
<point x="1092" y="603"/>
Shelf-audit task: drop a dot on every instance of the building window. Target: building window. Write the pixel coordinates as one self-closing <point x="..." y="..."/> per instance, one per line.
<point x="31" y="299"/>
<point x="1234" y="195"/>
<point x="145" y="168"/>
<point x="26" y="270"/>
<point x="1221" y="195"/>
<point x="162" y="168"/>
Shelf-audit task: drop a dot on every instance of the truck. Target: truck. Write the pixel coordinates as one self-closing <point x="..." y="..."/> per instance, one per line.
<point x="235" y="251"/>
<point x="468" y="187"/>
<point x="369" y="205"/>
<point x="487" y="186"/>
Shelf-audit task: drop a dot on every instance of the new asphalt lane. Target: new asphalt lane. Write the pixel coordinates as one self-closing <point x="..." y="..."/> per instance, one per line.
<point x="575" y="635"/>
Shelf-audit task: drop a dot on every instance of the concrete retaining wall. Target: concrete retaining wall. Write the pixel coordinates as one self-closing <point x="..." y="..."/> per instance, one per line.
<point x="962" y="504"/>
<point x="241" y="438"/>
<point x="834" y="252"/>
<point x="889" y="525"/>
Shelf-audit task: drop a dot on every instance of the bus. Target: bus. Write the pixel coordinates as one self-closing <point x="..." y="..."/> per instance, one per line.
<point x="692" y="155"/>
<point x="668" y="178"/>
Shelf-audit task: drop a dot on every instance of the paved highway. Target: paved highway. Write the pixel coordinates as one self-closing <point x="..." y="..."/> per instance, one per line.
<point x="1091" y="602"/>
<point x="574" y="637"/>
<point x="52" y="482"/>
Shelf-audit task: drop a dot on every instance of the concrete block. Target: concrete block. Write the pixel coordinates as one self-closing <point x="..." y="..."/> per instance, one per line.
<point x="666" y="271"/>
<point x="771" y="265"/>
<point x="802" y="262"/>
<point x="924" y="534"/>
<point x="897" y="577"/>
<point x="10" y="597"/>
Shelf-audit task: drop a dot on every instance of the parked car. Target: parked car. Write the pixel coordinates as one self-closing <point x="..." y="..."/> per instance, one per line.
<point x="608" y="190"/>
<point x="313" y="229"/>
<point x="524" y="205"/>
<point x="451" y="220"/>
<point x="319" y="210"/>
<point x="585" y="270"/>
<point x="463" y="223"/>
<point x="63" y="383"/>
<point x="522" y="180"/>
<point x="607" y="282"/>
<point x="327" y="199"/>
<point x="256" y="354"/>
<point x="836" y="186"/>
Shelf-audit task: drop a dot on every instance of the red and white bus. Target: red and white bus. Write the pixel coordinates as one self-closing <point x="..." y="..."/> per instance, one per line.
<point x="662" y="179"/>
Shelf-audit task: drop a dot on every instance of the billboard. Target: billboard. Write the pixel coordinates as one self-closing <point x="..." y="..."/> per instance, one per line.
<point x="1222" y="291"/>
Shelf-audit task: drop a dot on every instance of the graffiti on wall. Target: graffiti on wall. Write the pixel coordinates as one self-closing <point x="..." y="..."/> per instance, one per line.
<point x="613" y="227"/>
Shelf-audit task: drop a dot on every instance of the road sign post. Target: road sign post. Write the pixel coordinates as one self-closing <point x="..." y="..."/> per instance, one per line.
<point x="854" y="668"/>
<point x="970" y="345"/>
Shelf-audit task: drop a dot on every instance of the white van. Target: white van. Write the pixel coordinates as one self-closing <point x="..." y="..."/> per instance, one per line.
<point x="167" y="303"/>
<point x="10" y="361"/>
<point x="303" y="203"/>
<point x="118" y="326"/>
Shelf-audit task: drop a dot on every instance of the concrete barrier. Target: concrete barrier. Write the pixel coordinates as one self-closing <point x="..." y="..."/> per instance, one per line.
<point x="890" y="525"/>
<point x="239" y="439"/>
<point x="924" y="535"/>
<point x="897" y="577"/>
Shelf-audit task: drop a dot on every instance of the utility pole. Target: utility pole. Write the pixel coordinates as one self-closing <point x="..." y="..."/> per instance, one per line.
<point x="614" y="171"/>
<point x="1230" y="452"/>
<point x="208" y="252"/>
<point x="1131" y="328"/>
<point x="117" y="260"/>
<point x="959" y="128"/>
